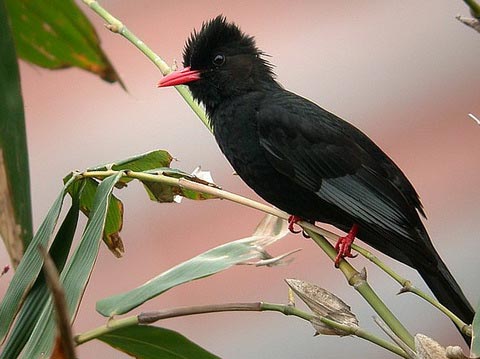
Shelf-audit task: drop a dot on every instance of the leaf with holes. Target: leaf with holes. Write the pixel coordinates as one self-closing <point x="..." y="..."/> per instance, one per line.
<point x="164" y="192"/>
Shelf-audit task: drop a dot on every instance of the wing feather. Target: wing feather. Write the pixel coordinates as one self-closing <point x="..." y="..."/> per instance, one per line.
<point x="337" y="162"/>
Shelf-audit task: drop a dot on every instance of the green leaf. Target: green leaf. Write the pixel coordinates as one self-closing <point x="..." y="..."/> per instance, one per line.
<point x="15" y="207"/>
<point x="213" y="261"/>
<point x="138" y="163"/>
<point x="150" y="342"/>
<point x="76" y="273"/>
<point x="114" y="221"/>
<point x="475" y="348"/>
<point x="29" y="267"/>
<point x="56" y="34"/>
<point x="141" y="162"/>
<point x="38" y="295"/>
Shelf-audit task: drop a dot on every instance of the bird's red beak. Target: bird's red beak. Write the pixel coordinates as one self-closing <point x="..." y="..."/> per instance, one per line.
<point x="180" y="77"/>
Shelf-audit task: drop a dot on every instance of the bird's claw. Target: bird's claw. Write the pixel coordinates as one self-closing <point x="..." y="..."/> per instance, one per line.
<point x="291" y="224"/>
<point x="344" y="246"/>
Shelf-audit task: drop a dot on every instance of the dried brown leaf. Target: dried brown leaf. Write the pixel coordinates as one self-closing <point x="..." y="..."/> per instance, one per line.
<point x="427" y="348"/>
<point x="324" y="304"/>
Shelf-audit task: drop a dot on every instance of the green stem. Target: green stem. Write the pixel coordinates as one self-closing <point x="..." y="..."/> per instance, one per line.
<point x="351" y="330"/>
<point x="152" y="317"/>
<point x="112" y="324"/>
<point x="116" y="26"/>
<point x="194" y="186"/>
<point x="407" y="286"/>
<point x="474" y="7"/>
<point x="358" y="281"/>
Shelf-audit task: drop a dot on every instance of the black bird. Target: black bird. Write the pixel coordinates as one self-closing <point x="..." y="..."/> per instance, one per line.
<point x="304" y="159"/>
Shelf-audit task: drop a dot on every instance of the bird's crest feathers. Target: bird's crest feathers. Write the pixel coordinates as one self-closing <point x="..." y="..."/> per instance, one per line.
<point x="217" y="34"/>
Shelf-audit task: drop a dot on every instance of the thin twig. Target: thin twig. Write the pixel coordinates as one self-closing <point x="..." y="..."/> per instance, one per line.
<point x="60" y="305"/>
<point x="470" y="22"/>
<point x="358" y="281"/>
<point x="473" y="117"/>
<point x="392" y="336"/>
<point x="474" y="22"/>
<point x="152" y="317"/>
<point x="116" y="26"/>
<point x="407" y="286"/>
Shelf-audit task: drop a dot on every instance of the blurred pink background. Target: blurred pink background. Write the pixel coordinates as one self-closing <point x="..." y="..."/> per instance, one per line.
<point x="405" y="72"/>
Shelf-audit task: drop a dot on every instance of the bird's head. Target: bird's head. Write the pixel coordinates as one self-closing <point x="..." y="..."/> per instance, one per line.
<point x="221" y="62"/>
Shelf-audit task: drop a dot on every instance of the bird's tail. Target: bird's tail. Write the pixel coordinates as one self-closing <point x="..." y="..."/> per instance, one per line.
<point x="447" y="291"/>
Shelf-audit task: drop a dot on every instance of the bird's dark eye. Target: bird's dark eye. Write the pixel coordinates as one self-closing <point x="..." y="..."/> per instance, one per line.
<point x="218" y="59"/>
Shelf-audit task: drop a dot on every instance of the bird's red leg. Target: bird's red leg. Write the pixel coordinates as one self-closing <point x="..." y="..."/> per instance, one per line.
<point x="344" y="245"/>
<point x="291" y="223"/>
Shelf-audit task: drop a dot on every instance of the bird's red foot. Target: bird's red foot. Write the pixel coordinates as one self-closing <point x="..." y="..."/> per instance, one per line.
<point x="344" y="245"/>
<point x="291" y="223"/>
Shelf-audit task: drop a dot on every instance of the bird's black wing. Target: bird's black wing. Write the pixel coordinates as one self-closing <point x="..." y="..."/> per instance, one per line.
<point x="337" y="162"/>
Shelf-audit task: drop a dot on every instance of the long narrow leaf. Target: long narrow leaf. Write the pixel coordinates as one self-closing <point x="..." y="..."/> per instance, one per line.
<point x="114" y="221"/>
<point x="150" y="342"/>
<point x="15" y="207"/>
<point x="206" y="264"/>
<point x="38" y="295"/>
<point x="29" y="267"/>
<point x="76" y="274"/>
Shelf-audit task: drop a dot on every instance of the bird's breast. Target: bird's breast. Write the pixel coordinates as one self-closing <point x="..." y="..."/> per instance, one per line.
<point x="235" y="129"/>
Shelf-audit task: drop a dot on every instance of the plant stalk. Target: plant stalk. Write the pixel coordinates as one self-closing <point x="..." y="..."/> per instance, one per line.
<point x="116" y="26"/>
<point x="151" y="317"/>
